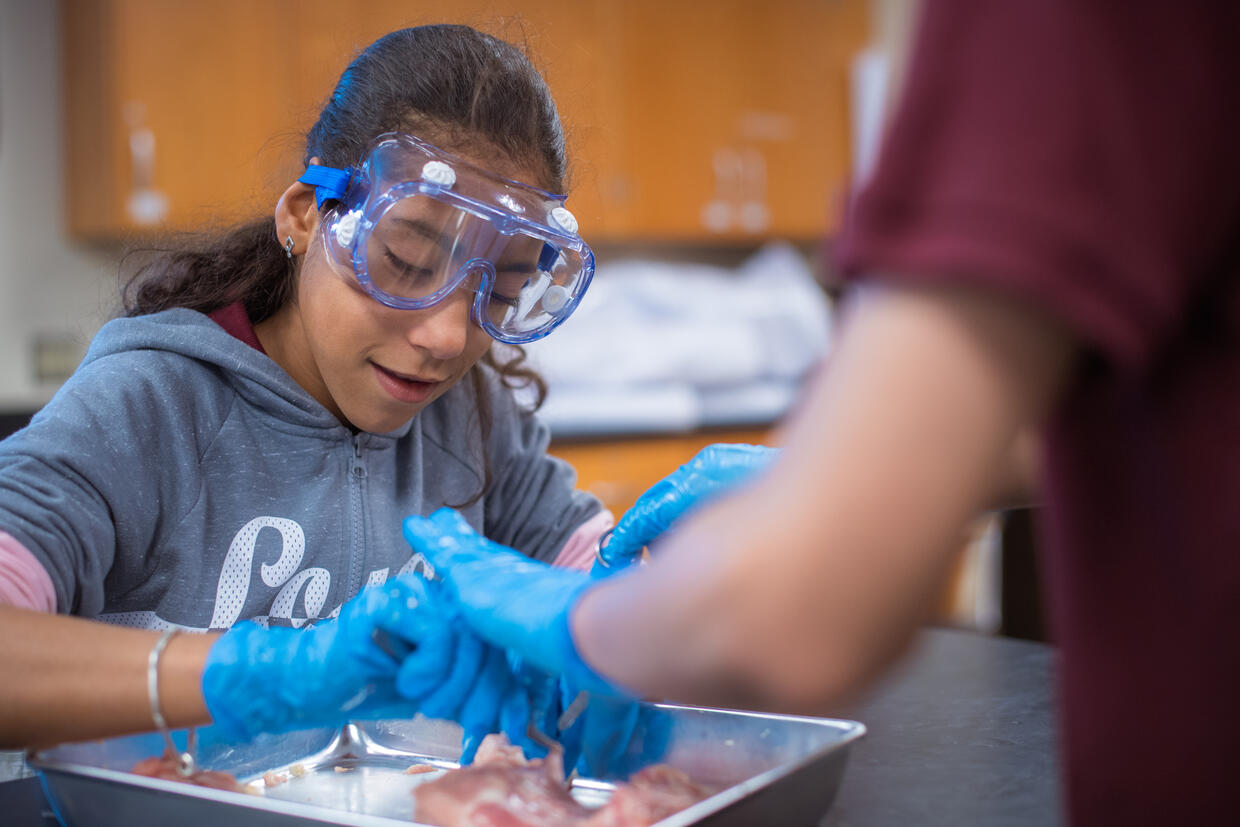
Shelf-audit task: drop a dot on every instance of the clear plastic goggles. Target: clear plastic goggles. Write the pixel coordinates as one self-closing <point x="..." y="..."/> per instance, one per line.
<point x="415" y="223"/>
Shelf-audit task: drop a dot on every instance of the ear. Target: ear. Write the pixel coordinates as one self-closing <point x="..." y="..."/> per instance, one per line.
<point x="297" y="216"/>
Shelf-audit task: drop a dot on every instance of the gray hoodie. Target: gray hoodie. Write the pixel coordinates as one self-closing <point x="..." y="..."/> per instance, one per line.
<point x="181" y="477"/>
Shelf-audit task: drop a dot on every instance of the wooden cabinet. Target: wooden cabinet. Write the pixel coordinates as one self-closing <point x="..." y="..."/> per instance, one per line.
<point x="727" y="120"/>
<point x="684" y="121"/>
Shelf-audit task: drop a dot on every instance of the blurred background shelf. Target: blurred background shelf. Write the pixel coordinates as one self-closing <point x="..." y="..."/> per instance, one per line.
<point x="728" y="122"/>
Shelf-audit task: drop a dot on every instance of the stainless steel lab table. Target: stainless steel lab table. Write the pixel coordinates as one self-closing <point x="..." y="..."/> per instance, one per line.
<point x="962" y="732"/>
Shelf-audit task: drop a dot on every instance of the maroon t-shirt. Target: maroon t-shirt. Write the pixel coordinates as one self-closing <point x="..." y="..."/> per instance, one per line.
<point x="1083" y="156"/>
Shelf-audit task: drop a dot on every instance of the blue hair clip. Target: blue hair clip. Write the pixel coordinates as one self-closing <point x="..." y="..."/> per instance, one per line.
<point x="327" y="182"/>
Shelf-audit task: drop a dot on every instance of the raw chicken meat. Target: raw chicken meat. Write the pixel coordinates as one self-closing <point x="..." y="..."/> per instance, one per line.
<point x="165" y="767"/>
<point x="502" y="789"/>
<point x="651" y="795"/>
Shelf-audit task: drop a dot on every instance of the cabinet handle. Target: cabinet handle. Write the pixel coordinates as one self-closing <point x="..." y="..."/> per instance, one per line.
<point x="717" y="214"/>
<point x="755" y="216"/>
<point x="145" y="204"/>
<point x="740" y="192"/>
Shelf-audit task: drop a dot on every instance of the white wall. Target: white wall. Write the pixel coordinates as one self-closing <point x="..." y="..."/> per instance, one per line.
<point x="49" y="286"/>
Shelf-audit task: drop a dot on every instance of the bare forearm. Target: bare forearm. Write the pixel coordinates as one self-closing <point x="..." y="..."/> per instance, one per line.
<point x="71" y="679"/>
<point x="793" y="594"/>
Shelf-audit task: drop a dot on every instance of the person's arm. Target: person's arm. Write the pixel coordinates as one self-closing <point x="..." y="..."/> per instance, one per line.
<point x="67" y="678"/>
<point x="794" y="593"/>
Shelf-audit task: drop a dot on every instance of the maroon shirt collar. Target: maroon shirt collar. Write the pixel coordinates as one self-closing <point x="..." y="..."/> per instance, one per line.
<point x="236" y="321"/>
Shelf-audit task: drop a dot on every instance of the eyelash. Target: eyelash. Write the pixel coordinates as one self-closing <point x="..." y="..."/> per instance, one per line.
<point x="402" y="265"/>
<point x="406" y="267"/>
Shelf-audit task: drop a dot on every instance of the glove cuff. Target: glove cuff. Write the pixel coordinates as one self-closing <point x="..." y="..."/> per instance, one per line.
<point x="239" y="700"/>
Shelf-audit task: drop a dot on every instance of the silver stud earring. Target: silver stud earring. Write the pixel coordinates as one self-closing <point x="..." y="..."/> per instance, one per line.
<point x="288" y="246"/>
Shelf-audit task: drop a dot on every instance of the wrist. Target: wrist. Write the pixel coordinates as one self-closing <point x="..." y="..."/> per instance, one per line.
<point x="180" y="680"/>
<point x="579" y="673"/>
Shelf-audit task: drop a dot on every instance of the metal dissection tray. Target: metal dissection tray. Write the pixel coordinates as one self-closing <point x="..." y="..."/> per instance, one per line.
<point x="771" y="769"/>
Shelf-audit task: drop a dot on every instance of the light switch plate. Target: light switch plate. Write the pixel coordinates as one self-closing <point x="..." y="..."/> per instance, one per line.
<point x="55" y="357"/>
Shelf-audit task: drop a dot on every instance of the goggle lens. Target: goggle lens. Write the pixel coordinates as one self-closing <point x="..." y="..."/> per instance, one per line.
<point x="522" y="302"/>
<point x="420" y="249"/>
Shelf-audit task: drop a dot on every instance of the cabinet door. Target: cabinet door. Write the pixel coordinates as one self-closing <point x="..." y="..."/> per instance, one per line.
<point x="176" y="113"/>
<point x="730" y="120"/>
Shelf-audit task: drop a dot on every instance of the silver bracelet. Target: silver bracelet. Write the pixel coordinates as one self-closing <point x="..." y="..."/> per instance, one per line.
<point x="185" y="760"/>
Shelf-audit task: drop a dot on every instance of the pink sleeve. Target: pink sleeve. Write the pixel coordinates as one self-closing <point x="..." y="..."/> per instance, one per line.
<point x="578" y="552"/>
<point x="24" y="583"/>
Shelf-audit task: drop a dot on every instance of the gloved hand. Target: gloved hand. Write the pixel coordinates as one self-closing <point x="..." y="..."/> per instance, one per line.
<point x="713" y="471"/>
<point x="505" y="697"/>
<point x="508" y="599"/>
<point x="473" y="693"/>
<point x="523" y="606"/>
<point x="535" y="702"/>
<point x="610" y="739"/>
<point x="593" y="743"/>
<point x="280" y="679"/>
<point x="614" y="739"/>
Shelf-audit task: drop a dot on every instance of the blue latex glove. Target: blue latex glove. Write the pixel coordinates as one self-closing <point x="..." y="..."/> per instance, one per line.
<point x="480" y="689"/>
<point x="609" y="740"/>
<point x="595" y="742"/>
<point x="713" y="471"/>
<point x="486" y="701"/>
<point x="508" y="599"/>
<point x="483" y="691"/>
<point x="523" y="605"/>
<point x="280" y="679"/>
<point x="535" y="701"/>
<point x="615" y="739"/>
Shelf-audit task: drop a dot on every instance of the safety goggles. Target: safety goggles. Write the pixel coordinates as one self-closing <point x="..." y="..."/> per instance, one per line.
<point x="415" y="223"/>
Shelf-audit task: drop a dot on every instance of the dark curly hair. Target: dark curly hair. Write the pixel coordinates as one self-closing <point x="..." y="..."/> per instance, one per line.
<point x="452" y="82"/>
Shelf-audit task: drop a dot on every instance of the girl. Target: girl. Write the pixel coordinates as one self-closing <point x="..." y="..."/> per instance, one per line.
<point x="244" y="443"/>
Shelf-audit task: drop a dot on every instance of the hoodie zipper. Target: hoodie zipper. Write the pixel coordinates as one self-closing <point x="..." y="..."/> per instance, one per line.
<point x="357" y="546"/>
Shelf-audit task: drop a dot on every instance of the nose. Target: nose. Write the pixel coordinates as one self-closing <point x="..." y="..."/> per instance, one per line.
<point x="443" y="329"/>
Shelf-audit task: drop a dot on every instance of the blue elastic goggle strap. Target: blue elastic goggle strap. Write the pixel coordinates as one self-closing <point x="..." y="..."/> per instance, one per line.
<point x="548" y="256"/>
<point x="327" y="182"/>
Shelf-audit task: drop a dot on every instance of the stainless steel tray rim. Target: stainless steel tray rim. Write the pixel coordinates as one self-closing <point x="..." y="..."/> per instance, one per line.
<point x="382" y="740"/>
<point x="250" y="801"/>
<point x="853" y="731"/>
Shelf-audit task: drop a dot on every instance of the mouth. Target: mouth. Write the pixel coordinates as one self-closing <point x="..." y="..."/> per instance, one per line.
<point x="404" y="387"/>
